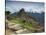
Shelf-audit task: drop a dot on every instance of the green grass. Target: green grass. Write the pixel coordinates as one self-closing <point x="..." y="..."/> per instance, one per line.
<point x="22" y="22"/>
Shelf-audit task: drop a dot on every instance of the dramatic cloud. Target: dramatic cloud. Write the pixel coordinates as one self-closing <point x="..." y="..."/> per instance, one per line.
<point x="16" y="6"/>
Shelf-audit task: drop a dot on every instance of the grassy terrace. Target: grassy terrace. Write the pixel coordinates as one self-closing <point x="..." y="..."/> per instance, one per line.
<point x="22" y="22"/>
<point x="28" y="25"/>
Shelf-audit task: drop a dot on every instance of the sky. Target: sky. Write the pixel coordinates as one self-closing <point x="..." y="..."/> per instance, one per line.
<point x="28" y="0"/>
<point x="15" y="6"/>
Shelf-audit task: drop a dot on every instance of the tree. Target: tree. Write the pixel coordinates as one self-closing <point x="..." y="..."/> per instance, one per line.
<point x="7" y="12"/>
<point x="7" y="15"/>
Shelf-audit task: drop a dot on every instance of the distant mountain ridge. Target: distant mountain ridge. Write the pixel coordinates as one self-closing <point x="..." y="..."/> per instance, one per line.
<point x="38" y="16"/>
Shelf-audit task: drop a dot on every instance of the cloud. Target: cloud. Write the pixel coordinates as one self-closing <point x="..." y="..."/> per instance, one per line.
<point x="16" y="6"/>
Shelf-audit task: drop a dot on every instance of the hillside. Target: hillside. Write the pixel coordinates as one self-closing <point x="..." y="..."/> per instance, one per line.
<point x="22" y="21"/>
<point x="38" y="16"/>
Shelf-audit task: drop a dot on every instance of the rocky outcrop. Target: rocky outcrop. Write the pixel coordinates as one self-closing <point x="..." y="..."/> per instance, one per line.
<point x="22" y="14"/>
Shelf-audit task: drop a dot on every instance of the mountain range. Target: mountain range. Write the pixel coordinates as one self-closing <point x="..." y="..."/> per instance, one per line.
<point x="38" y="16"/>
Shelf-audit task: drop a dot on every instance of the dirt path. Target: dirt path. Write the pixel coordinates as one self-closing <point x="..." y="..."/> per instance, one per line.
<point x="9" y="32"/>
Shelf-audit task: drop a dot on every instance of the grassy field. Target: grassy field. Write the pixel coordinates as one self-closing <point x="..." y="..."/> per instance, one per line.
<point x="25" y="25"/>
<point x="22" y="22"/>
